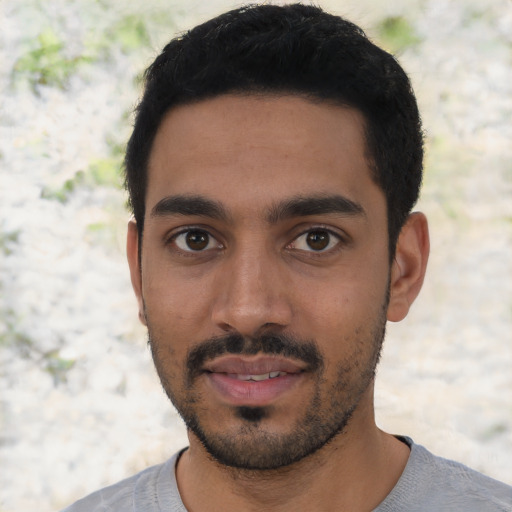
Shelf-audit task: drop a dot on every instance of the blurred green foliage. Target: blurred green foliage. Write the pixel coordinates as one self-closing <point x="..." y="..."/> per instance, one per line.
<point x="63" y="193"/>
<point x="130" y="33"/>
<point x="11" y="336"/>
<point x="495" y="430"/>
<point x="57" y="366"/>
<point x="104" y="172"/>
<point x="7" y="240"/>
<point x="47" y="64"/>
<point x="27" y="348"/>
<point x="396" y="34"/>
<point x="103" y="233"/>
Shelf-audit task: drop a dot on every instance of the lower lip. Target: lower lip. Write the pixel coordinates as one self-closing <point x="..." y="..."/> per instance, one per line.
<point x="249" y="392"/>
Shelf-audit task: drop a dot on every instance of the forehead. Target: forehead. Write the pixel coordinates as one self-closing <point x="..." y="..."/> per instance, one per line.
<point x="244" y="150"/>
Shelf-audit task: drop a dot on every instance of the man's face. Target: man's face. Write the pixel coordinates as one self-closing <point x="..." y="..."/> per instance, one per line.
<point x="264" y="274"/>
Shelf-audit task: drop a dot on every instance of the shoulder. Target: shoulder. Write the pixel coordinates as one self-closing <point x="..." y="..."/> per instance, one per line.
<point x="452" y="480"/>
<point x="140" y="489"/>
<point x="434" y="483"/>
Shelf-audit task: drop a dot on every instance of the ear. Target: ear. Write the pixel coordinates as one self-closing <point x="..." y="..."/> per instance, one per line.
<point x="132" y="252"/>
<point x="409" y="266"/>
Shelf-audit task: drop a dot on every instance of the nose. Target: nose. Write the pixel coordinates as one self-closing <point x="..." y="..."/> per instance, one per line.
<point x="252" y="294"/>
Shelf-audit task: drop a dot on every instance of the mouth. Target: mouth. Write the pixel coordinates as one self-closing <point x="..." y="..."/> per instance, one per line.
<point x="252" y="381"/>
<point x="258" y="367"/>
<point x="256" y="378"/>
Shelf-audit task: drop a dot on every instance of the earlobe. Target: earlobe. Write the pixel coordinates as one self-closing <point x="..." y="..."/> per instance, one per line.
<point x="409" y="266"/>
<point x="132" y="252"/>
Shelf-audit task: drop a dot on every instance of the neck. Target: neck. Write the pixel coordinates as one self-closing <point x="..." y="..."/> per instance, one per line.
<point x="355" y="471"/>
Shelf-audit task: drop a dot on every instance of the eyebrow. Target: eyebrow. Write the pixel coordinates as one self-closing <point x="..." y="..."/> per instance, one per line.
<point x="299" y="206"/>
<point x="316" y="205"/>
<point x="189" y="205"/>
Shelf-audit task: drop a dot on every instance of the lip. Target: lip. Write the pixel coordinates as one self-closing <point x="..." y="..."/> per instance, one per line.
<point x="253" y="365"/>
<point x="223" y="375"/>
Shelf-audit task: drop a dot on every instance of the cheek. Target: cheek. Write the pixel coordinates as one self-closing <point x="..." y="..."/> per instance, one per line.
<point x="343" y="315"/>
<point x="342" y="302"/>
<point x="174" y="300"/>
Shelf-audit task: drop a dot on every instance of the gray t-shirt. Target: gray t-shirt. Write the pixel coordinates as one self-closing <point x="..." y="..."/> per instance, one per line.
<point x="428" y="484"/>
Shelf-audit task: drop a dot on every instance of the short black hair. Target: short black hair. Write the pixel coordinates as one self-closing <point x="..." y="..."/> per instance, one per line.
<point x="292" y="49"/>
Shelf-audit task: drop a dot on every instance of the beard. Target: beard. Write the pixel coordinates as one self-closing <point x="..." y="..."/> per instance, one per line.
<point x="251" y="445"/>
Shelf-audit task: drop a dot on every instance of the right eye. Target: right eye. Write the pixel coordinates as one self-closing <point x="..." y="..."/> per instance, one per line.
<point x="195" y="240"/>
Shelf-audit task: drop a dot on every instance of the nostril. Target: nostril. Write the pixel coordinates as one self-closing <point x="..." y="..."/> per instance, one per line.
<point x="226" y="327"/>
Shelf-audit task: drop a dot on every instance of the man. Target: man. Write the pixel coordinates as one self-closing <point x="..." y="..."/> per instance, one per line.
<point x="275" y="159"/>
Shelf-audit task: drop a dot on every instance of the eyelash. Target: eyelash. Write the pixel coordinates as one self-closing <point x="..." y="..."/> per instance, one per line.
<point x="171" y="240"/>
<point x="340" y="241"/>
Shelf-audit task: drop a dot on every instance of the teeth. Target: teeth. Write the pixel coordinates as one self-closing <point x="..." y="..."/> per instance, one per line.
<point x="262" y="376"/>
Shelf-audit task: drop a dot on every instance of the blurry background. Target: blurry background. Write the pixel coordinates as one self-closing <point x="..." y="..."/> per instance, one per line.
<point x="80" y="403"/>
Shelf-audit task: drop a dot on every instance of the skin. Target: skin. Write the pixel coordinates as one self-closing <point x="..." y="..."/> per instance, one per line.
<point x="258" y="274"/>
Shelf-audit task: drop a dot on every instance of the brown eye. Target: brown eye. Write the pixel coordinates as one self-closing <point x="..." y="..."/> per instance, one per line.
<point x="195" y="240"/>
<point x="318" y="240"/>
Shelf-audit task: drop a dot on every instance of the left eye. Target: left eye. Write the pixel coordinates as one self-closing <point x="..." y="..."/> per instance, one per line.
<point x="317" y="240"/>
<point x="195" y="240"/>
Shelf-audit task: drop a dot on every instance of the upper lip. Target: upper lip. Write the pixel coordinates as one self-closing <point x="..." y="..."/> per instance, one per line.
<point x="253" y="365"/>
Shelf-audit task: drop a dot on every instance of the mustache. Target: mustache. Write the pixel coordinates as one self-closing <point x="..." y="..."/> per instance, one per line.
<point x="269" y="344"/>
